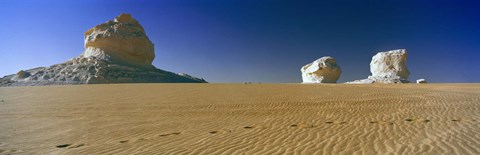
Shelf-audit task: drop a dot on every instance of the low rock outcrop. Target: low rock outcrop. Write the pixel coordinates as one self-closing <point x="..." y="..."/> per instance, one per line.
<point x="323" y="70"/>
<point x="419" y="81"/>
<point x="117" y="51"/>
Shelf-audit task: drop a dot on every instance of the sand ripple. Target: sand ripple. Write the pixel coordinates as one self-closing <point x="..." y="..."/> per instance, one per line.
<point x="241" y="119"/>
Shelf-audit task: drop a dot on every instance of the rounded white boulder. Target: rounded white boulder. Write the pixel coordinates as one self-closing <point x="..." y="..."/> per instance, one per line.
<point x="323" y="70"/>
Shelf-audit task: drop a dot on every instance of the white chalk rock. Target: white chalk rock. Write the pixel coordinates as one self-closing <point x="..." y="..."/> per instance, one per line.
<point x="323" y="70"/>
<point x="390" y="64"/>
<point x="362" y="81"/>
<point x="122" y="40"/>
<point x="387" y="67"/>
<point x="421" y="81"/>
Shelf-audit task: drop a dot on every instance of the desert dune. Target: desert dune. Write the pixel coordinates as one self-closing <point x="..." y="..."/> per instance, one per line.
<point x="240" y="119"/>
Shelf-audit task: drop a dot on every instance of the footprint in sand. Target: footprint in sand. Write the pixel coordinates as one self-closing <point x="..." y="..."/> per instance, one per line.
<point x="414" y="120"/>
<point x="142" y="139"/>
<point x="381" y="122"/>
<point x="8" y="151"/>
<point x="255" y="126"/>
<point x="221" y="131"/>
<point x="126" y="141"/>
<point x="224" y="131"/>
<point x="71" y="147"/>
<point x="302" y="126"/>
<point x="63" y="145"/>
<point x="332" y="122"/>
<point x="169" y="134"/>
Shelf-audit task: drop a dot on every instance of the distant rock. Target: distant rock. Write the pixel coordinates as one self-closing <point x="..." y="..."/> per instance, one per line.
<point x="419" y="81"/>
<point x="21" y="75"/>
<point x="117" y="51"/>
<point x="362" y="81"/>
<point x="387" y="67"/>
<point x="323" y="70"/>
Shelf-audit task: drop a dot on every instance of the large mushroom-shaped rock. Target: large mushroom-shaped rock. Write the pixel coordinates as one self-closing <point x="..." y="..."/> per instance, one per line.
<point x="117" y="51"/>
<point x="122" y="40"/>
<point x="390" y="64"/>
<point x="323" y="70"/>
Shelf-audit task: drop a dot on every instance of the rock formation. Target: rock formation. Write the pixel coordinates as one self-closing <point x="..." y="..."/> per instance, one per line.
<point x="421" y="81"/>
<point x="21" y="75"/>
<point x="388" y="67"/>
<point x="121" y="40"/>
<point x="117" y="51"/>
<point x="390" y="64"/>
<point x="323" y="70"/>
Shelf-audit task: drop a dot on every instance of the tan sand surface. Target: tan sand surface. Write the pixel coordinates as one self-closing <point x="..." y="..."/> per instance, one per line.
<point x="241" y="119"/>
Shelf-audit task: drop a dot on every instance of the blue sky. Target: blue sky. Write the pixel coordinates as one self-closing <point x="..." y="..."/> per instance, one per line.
<point x="259" y="41"/>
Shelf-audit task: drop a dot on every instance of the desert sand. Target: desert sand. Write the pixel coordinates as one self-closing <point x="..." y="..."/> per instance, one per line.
<point x="241" y="119"/>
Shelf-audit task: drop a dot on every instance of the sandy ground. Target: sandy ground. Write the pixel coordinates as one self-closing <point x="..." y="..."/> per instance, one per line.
<point x="241" y="119"/>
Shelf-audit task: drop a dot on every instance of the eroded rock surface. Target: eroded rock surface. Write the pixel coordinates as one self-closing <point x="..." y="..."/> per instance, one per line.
<point x="390" y="64"/>
<point x="323" y="70"/>
<point x="387" y="67"/>
<point x="122" y="40"/>
<point x="21" y="75"/>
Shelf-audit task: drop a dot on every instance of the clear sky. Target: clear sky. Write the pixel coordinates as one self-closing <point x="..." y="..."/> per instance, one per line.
<point x="258" y="41"/>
